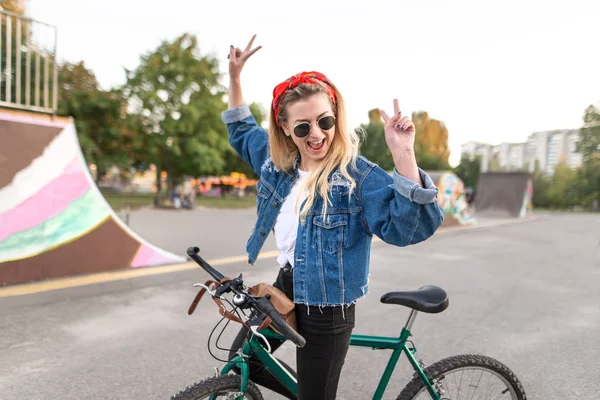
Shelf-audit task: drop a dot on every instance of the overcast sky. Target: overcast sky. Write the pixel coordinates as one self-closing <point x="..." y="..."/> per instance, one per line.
<point x="492" y="72"/>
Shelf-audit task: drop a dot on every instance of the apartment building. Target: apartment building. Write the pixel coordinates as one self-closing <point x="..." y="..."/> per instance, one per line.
<point x="552" y="147"/>
<point x="546" y="149"/>
<point x="473" y="149"/>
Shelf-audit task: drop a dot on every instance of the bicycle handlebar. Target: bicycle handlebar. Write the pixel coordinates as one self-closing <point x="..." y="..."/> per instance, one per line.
<point x="192" y="252"/>
<point x="262" y="304"/>
<point x="265" y="305"/>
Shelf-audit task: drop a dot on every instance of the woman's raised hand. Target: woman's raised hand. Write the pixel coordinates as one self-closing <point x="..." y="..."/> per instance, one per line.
<point x="399" y="131"/>
<point x="238" y="57"/>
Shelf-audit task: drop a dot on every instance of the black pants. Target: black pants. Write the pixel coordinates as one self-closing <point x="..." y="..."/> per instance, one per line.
<point x="319" y="363"/>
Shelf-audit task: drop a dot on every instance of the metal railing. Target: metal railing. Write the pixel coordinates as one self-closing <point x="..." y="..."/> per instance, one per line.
<point x="27" y="58"/>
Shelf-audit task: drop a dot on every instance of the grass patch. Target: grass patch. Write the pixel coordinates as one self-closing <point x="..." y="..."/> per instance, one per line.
<point x="119" y="201"/>
<point x="227" y="202"/>
<point x="133" y="201"/>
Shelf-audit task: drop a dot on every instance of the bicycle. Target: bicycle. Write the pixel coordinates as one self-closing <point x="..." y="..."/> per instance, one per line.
<point x="265" y="322"/>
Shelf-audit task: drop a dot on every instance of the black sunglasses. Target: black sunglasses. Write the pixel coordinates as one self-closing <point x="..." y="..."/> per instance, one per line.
<point x="327" y="122"/>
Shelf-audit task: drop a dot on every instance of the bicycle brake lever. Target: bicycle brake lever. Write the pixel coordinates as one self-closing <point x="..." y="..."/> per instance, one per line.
<point x="254" y="329"/>
<point x="211" y="292"/>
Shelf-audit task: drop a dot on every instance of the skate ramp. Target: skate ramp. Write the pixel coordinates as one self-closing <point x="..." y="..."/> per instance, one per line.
<point x="504" y="194"/>
<point x="54" y="222"/>
<point x="452" y="199"/>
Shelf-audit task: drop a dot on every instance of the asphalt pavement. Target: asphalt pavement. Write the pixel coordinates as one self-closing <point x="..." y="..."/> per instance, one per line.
<point x="525" y="293"/>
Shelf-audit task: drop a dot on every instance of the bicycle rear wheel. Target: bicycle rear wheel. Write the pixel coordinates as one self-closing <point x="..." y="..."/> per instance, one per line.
<point x="467" y="376"/>
<point x="221" y="387"/>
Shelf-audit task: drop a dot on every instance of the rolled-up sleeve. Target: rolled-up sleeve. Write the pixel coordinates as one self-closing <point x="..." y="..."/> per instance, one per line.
<point x="398" y="210"/>
<point x="236" y="114"/>
<point x="413" y="191"/>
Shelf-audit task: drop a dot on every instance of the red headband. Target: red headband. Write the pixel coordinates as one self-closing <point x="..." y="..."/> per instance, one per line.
<point x="313" y="77"/>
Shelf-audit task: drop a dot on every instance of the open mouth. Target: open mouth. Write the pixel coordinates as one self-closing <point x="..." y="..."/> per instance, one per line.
<point x="316" y="145"/>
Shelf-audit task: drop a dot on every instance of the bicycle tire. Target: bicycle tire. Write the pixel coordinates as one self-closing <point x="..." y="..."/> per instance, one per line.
<point x="218" y="384"/>
<point x="439" y="369"/>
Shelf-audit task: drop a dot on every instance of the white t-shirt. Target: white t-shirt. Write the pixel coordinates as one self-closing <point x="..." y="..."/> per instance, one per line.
<point x="286" y="225"/>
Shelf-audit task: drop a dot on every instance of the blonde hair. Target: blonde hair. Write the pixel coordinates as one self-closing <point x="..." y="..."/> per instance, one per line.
<point x="342" y="152"/>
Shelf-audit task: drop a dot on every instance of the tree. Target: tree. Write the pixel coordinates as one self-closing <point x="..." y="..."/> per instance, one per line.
<point x="588" y="175"/>
<point x="561" y="193"/>
<point x="176" y="95"/>
<point x="589" y="134"/>
<point x="541" y="184"/>
<point x="13" y="6"/>
<point x="468" y="171"/>
<point x="431" y="162"/>
<point x="431" y="142"/>
<point x="373" y="144"/>
<point x="102" y="124"/>
<point x="588" y="182"/>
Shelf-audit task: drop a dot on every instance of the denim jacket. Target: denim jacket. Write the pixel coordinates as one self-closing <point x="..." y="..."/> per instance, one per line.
<point x="333" y="250"/>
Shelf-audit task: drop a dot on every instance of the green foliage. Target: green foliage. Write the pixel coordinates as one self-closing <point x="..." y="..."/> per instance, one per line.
<point x="541" y="184"/>
<point x="431" y="162"/>
<point x="589" y="135"/>
<point x="567" y="187"/>
<point x="468" y="171"/>
<point x="588" y="176"/>
<point x="562" y="191"/>
<point x="99" y="118"/>
<point x="431" y="142"/>
<point x="176" y="95"/>
<point x="373" y="145"/>
<point x="588" y="182"/>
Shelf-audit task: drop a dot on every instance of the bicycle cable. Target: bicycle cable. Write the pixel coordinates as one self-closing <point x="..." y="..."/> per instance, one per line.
<point x="235" y="310"/>
<point x="209" y="338"/>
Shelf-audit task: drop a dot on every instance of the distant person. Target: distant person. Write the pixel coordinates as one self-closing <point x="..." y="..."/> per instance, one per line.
<point x="187" y="197"/>
<point x="469" y="195"/>
<point x="177" y="197"/>
<point x="310" y="153"/>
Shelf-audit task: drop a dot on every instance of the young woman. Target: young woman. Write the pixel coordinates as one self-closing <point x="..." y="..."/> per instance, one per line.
<point x="323" y="202"/>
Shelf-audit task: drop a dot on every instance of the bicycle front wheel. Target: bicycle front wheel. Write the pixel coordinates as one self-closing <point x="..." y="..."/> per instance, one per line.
<point x="467" y="376"/>
<point x="220" y="387"/>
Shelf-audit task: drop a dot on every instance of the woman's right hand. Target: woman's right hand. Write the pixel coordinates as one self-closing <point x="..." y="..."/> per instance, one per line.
<point x="237" y="58"/>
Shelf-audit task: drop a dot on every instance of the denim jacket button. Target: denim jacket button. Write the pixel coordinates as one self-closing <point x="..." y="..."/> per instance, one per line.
<point x="262" y="233"/>
<point x="275" y="204"/>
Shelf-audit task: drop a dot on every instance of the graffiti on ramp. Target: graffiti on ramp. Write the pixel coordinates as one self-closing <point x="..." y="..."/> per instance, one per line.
<point x="452" y="198"/>
<point x="54" y="222"/>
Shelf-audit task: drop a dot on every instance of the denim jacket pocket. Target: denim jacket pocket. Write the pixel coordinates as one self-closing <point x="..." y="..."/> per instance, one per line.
<point x="330" y="231"/>
<point x="263" y="193"/>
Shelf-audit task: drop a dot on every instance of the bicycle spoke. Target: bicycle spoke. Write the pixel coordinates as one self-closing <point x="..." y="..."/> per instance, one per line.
<point x="489" y="380"/>
<point x="456" y="385"/>
<point x="477" y="385"/>
<point x="502" y="392"/>
<point x="460" y="384"/>
<point x="488" y="387"/>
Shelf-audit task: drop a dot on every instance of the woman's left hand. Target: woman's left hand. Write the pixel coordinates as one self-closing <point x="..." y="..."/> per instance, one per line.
<point x="399" y="131"/>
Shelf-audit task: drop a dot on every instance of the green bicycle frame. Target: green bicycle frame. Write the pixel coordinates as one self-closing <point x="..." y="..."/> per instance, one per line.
<point x="398" y="345"/>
